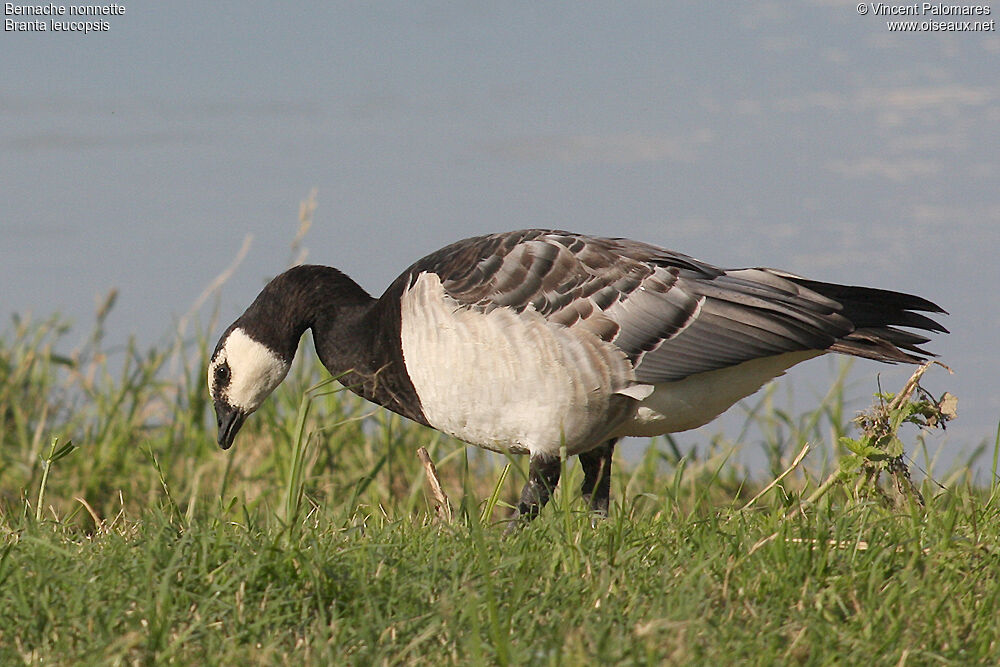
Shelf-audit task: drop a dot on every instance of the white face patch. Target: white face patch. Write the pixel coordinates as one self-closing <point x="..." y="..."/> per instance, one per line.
<point x="244" y="372"/>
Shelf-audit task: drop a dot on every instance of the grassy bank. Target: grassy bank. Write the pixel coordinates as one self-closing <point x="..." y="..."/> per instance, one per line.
<point x="314" y="540"/>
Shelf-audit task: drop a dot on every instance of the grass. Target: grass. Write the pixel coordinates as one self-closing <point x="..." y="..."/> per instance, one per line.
<point x="126" y="537"/>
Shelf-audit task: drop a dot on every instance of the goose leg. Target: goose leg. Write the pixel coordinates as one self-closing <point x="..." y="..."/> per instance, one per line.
<point x="543" y="477"/>
<point x="597" y="477"/>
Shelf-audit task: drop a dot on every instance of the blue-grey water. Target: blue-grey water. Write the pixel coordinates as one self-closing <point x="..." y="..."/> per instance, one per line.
<point x="799" y="135"/>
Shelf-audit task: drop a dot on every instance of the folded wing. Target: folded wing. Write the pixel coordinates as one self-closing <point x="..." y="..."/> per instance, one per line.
<point x="673" y="315"/>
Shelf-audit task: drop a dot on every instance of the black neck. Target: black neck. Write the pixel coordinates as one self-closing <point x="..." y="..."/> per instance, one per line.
<point x="356" y="335"/>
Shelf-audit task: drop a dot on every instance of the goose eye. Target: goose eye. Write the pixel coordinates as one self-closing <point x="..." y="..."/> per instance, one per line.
<point x="222" y="375"/>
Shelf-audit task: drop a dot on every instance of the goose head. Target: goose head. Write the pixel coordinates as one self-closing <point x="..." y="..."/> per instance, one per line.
<point x="242" y="372"/>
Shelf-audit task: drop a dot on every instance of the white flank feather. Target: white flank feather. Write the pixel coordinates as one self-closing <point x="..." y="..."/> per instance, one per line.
<point x="697" y="400"/>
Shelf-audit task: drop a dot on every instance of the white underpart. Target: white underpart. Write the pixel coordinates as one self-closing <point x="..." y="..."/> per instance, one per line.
<point x="697" y="400"/>
<point x="255" y="370"/>
<point x="512" y="381"/>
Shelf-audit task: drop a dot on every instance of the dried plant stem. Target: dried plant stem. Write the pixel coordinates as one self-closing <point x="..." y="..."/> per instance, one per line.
<point x="442" y="506"/>
<point x="777" y="480"/>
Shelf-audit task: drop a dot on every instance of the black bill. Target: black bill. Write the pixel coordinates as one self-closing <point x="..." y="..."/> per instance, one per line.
<point x="230" y="420"/>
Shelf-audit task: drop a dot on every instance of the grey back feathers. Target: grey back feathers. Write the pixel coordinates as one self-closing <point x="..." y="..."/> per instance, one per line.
<point x="673" y="315"/>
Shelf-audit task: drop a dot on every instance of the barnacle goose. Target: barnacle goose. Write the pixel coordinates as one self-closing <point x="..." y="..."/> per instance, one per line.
<point x="532" y="341"/>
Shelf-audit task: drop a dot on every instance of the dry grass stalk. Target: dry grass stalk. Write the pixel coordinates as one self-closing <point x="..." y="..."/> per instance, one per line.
<point x="442" y="506"/>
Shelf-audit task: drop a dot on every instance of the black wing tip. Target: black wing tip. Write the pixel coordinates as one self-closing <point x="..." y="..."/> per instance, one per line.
<point x="914" y="320"/>
<point x="872" y="306"/>
<point x="921" y="304"/>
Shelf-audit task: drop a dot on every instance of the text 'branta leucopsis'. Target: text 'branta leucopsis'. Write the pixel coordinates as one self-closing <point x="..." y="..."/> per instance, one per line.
<point x="535" y="340"/>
